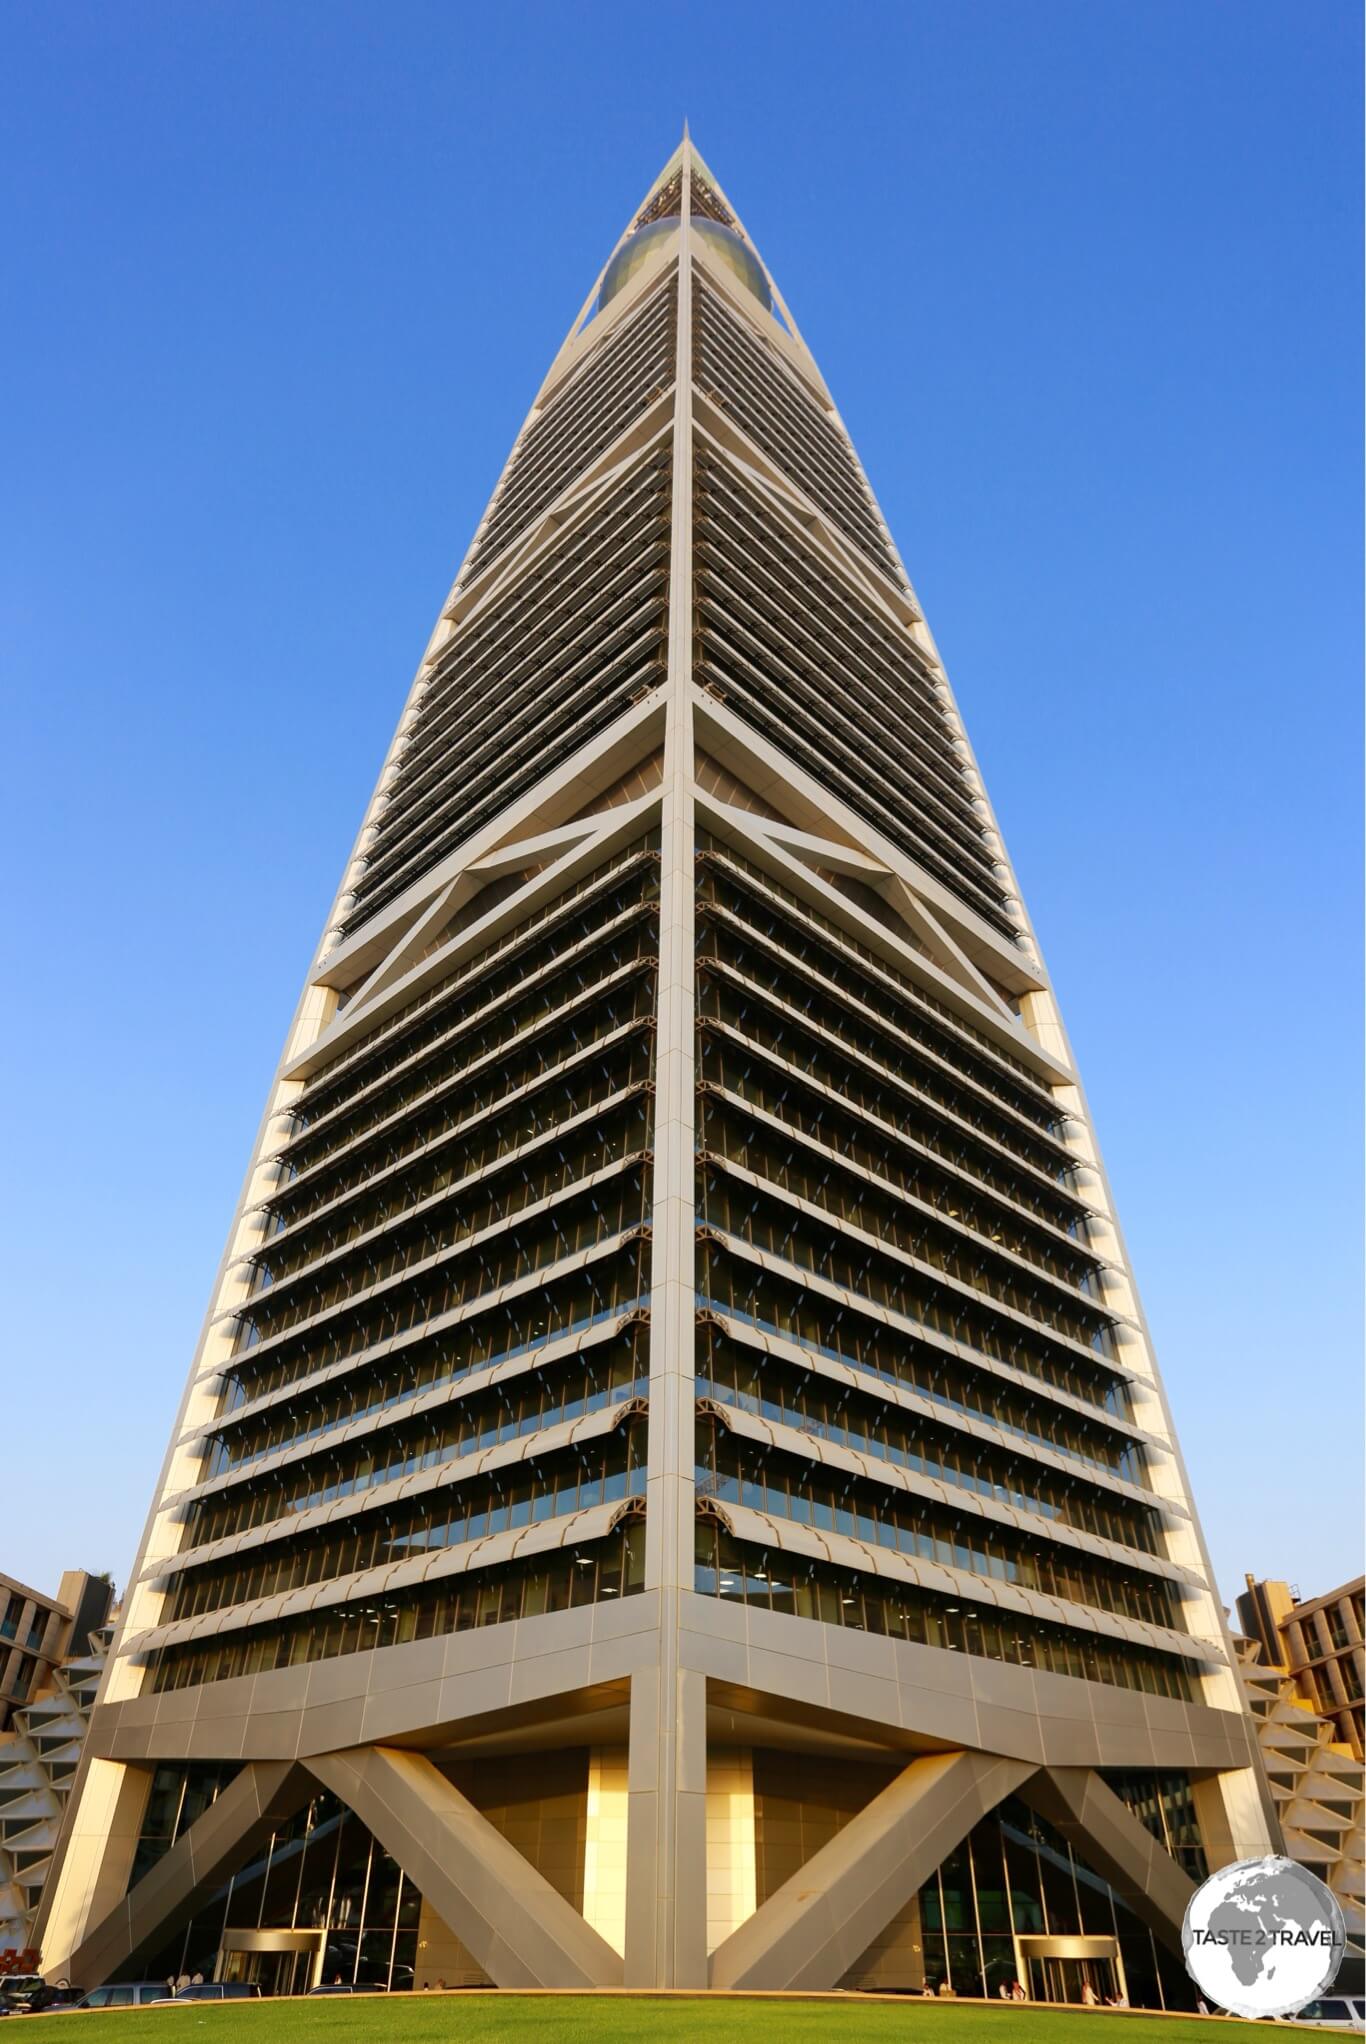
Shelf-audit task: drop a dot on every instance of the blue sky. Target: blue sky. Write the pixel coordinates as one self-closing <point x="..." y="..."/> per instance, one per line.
<point x="1085" y="281"/>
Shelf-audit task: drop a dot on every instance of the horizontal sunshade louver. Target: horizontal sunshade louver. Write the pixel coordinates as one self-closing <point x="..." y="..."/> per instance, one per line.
<point x="741" y="376"/>
<point x="605" y="396"/>
<point x="549" y="665"/>
<point x="796" y="653"/>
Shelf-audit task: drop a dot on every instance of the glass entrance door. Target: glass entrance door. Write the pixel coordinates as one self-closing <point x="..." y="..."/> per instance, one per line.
<point x="1066" y="1980"/>
<point x="288" y="1972"/>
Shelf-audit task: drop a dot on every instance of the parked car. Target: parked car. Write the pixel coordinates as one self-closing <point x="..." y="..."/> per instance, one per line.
<point x="1332" y="2012"/>
<point x="44" y="1998"/>
<point x="212" y="1990"/>
<point x="28" y="1994"/>
<point x="126" y="1995"/>
<point x="334" y="1987"/>
<point x="15" y="1990"/>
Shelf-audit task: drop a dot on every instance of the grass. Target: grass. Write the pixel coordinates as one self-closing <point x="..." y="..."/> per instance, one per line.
<point x="604" y="2019"/>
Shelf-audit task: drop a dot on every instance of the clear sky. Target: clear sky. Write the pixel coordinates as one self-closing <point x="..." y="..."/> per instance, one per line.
<point x="281" y="281"/>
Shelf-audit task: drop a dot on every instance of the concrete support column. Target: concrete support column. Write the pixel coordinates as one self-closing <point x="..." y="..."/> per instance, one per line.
<point x="666" y="1907"/>
<point x="666" y="1838"/>
<point x="822" y="1920"/>
<point x="604" y="1847"/>
<point x="94" y="1857"/>
<point x="517" y="1927"/>
<point x="1114" y="1844"/>
<point x="264" y="1795"/>
<point x="1229" y="1809"/>
<point x="732" y="1887"/>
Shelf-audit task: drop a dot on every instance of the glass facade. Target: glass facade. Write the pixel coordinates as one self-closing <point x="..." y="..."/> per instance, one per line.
<point x="1161" y="1799"/>
<point x="1014" y="1877"/>
<point x="453" y="1266"/>
<point x="974" y="1926"/>
<point x="889" y="1194"/>
<point x="321" y="1871"/>
<point x="612" y="1567"/>
<point x="631" y="258"/>
<point x="178" y="1796"/>
<point x="777" y="1580"/>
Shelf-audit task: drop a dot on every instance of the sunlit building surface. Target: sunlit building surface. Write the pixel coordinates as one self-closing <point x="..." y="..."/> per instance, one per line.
<point x="1302" y="1664"/>
<point x="674" y="1487"/>
<point x="1316" y="1786"/>
<point x="1319" y="1642"/>
<point x="49" y="1705"/>
<point x="35" y="1632"/>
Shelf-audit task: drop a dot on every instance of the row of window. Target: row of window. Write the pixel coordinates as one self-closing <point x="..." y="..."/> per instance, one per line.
<point x="34" y="1633"/>
<point x="775" y="943"/>
<point x="771" y="992"/>
<point x="767" y="1300"/>
<point x="801" y="622"/>
<point x="884" y="1147"/>
<point x="577" y="1223"/>
<point x="563" y="1306"/>
<point x="608" y="392"/>
<point x="467" y="1206"/>
<point x="787" y="1487"/>
<point x="863" y="966"/>
<point x="579" y="603"/>
<point x="824" y="1179"/>
<point x="483" y="673"/>
<point x="469" y="1088"/>
<point x="772" y="626"/>
<point x="511" y="1411"/>
<point x="744" y="1213"/>
<point x="813" y="1404"/>
<point x="745" y="379"/>
<point x="577" y="670"/>
<point x="592" y="1473"/>
<point x="614" y="1567"/>
<point x="783" y="1582"/>
<point x="349" y="1095"/>
<point x="767" y="1035"/>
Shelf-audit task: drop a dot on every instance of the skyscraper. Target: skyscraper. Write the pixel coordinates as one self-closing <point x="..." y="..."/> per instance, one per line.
<point x="674" y="1487"/>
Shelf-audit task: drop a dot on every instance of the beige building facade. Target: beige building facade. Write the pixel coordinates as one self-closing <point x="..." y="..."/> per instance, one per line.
<point x="1317" y="1788"/>
<point x="674" y="1488"/>
<point x="34" y="1632"/>
<point x="41" y="1745"/>
<point x="1319" y="1642"/>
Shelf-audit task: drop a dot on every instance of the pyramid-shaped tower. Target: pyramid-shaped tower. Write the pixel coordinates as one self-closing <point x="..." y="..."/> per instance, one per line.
<point x="674" y="1486"/>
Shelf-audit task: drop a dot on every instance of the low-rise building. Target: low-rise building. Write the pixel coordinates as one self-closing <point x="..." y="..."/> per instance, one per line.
<point x="1310" y="1744"/>
<point x="1319" y="1640"/>
<point x="33" y="1631"/>
<point x="46" y="1714"/>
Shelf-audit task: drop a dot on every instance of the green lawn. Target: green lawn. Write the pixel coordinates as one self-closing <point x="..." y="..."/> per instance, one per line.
<point x="603" y="2019"/>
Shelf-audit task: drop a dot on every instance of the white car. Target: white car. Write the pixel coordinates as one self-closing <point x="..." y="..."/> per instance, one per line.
<point x="1332" y="2012"/>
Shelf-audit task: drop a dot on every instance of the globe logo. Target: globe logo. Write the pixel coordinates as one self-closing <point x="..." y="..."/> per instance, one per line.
<point x="1262" y="1937"/>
